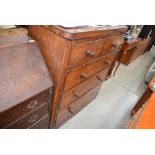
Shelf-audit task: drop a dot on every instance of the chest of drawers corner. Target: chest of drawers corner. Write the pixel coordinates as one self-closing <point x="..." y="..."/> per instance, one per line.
<point x="79" y="60"/>
<point x="25" y="84"/>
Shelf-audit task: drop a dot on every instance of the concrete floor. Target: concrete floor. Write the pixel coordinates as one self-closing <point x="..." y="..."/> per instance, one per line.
<point x="118" y="95"/>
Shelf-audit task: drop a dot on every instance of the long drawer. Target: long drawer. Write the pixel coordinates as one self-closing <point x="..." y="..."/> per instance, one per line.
<point x="82" y="73"/>
<point x="85" y="52"/>
<point x="41" y="124"/>
<point x="76" y="106"/>
<point x="31" y="118"/>
<point x="21" y="109"/>
<point x="79" y="90"/>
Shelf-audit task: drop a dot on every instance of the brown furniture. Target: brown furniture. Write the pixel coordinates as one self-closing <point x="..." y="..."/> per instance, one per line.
<point x="142" y="101"/>
<point x="145" y="117"/>
<point x="131" y="50"/>
<point x="25" y="84"/>
<point x="144" y="97"/>
<point x="79" y="59"/>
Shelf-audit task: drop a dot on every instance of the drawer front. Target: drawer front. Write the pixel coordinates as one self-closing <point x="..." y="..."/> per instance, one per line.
<point x="85" y="52"/>
<point x="79" y="90"/>
<point x="80" y="74"/>
<point x="112" y="43"/>
<point x="41" y="124"/>
<point x="31" y="118"/>
<point x="76" y="106"/>
<point x="20" y="110"/>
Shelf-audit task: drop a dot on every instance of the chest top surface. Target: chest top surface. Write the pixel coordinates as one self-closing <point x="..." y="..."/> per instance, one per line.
<point x="85" y="31"/>
<point x="23" y="72"/>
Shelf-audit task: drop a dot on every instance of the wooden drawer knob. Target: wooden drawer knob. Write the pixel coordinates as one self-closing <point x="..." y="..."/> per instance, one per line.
<point x="114" y="45"/>
<point x="77" y="94"/>
<point x="83" y="75"/>
<point x="32" y="104"/>
<point x="99" y="78"/>
<point x="70" y="110"/>
<point x="33" y="119"/>
<point x="90" y="53"/>
<point x="108" y="62"/>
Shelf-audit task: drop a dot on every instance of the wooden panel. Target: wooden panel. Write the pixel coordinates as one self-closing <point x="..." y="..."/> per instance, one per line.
<point x="23" y="108"/>
<point x="142" y="100"/>
<point x="31" y="118"/>
<point x="55" y="49"/>
<point x="23" y="74"/>
<point x="79" y="90"/>
<point x="112" y="43"/>
<point x="77" y="105"/>
<point x="86" y="31"/>
<point x="85" y="52"/>
<point x="41" y="124"/>
<point x="80" y="74"/>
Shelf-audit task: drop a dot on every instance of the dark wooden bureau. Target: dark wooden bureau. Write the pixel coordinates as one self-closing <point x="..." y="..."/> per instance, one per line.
<point x="79" y="59"/>
<point x="25" y="84"/>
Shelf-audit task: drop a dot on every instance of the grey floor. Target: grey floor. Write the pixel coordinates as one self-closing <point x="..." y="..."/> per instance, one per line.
<point x="118" y="95"/>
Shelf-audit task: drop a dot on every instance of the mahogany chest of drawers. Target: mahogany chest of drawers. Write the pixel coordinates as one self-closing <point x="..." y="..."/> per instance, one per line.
<point x="25" y="84"/>
<point x="79" y="59"/>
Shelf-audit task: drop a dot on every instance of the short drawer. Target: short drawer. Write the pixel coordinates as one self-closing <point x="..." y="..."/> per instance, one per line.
<point x="41" y="124"/>
<point x="21" y="109"/>
<point x="30" y="119"/>
<point x="82" y="73"/>
<point x="84" y="52"/>
<point x="76" y="106"/>
<point x="112" y="43"/>
<point x="76" y="92"/>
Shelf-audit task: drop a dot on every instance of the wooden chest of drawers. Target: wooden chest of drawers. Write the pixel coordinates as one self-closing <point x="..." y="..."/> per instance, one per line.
<point x="25" y="84"/>
<point x="79" y="59"/>
<point x="131" y="50"/>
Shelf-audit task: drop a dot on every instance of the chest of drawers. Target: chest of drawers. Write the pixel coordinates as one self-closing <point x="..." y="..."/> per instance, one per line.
<point x="79" y="59"/>
<point x="131" y="50"/>
<point x="25" y="84"/>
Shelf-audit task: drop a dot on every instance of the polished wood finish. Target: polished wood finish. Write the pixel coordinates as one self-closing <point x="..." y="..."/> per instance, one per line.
<point x="74" y="55"/>
<point x="141" y="101"/>
<point x="131" y="50"/>
<point x="79" y="90"/>
<point x="77" y="105"/>
<point x="30" y="118"/>
<point x="19" y="110"/>
<point x="145" y="117"/>
<point x="82" y="73"/>
<point x="41" y="124"/>
<point x="25" y="82"/>
<point x="85" y="52"/>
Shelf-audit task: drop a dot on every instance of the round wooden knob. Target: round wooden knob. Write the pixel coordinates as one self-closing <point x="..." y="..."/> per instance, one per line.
<point x="114" y="45"/>
<point x="108" y="62"/>
<point x="70" y="110"/>
<point x="99" y="78"/>
<point x="90" y="53"/>
<point x="83" y="75"/>
<point x="77" y="94"/>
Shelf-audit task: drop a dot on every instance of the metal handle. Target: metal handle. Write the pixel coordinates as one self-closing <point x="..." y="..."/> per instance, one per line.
<point x="83" y="75"/>
<point x="90" y="53"/>
<point x="77" y="94"/>
<point x="108" y="62"/>
<point x="32" y="119"/>
<point x="70" y="110"/>
<point x="99" y="78"/>
<point x="32" y="104"/>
